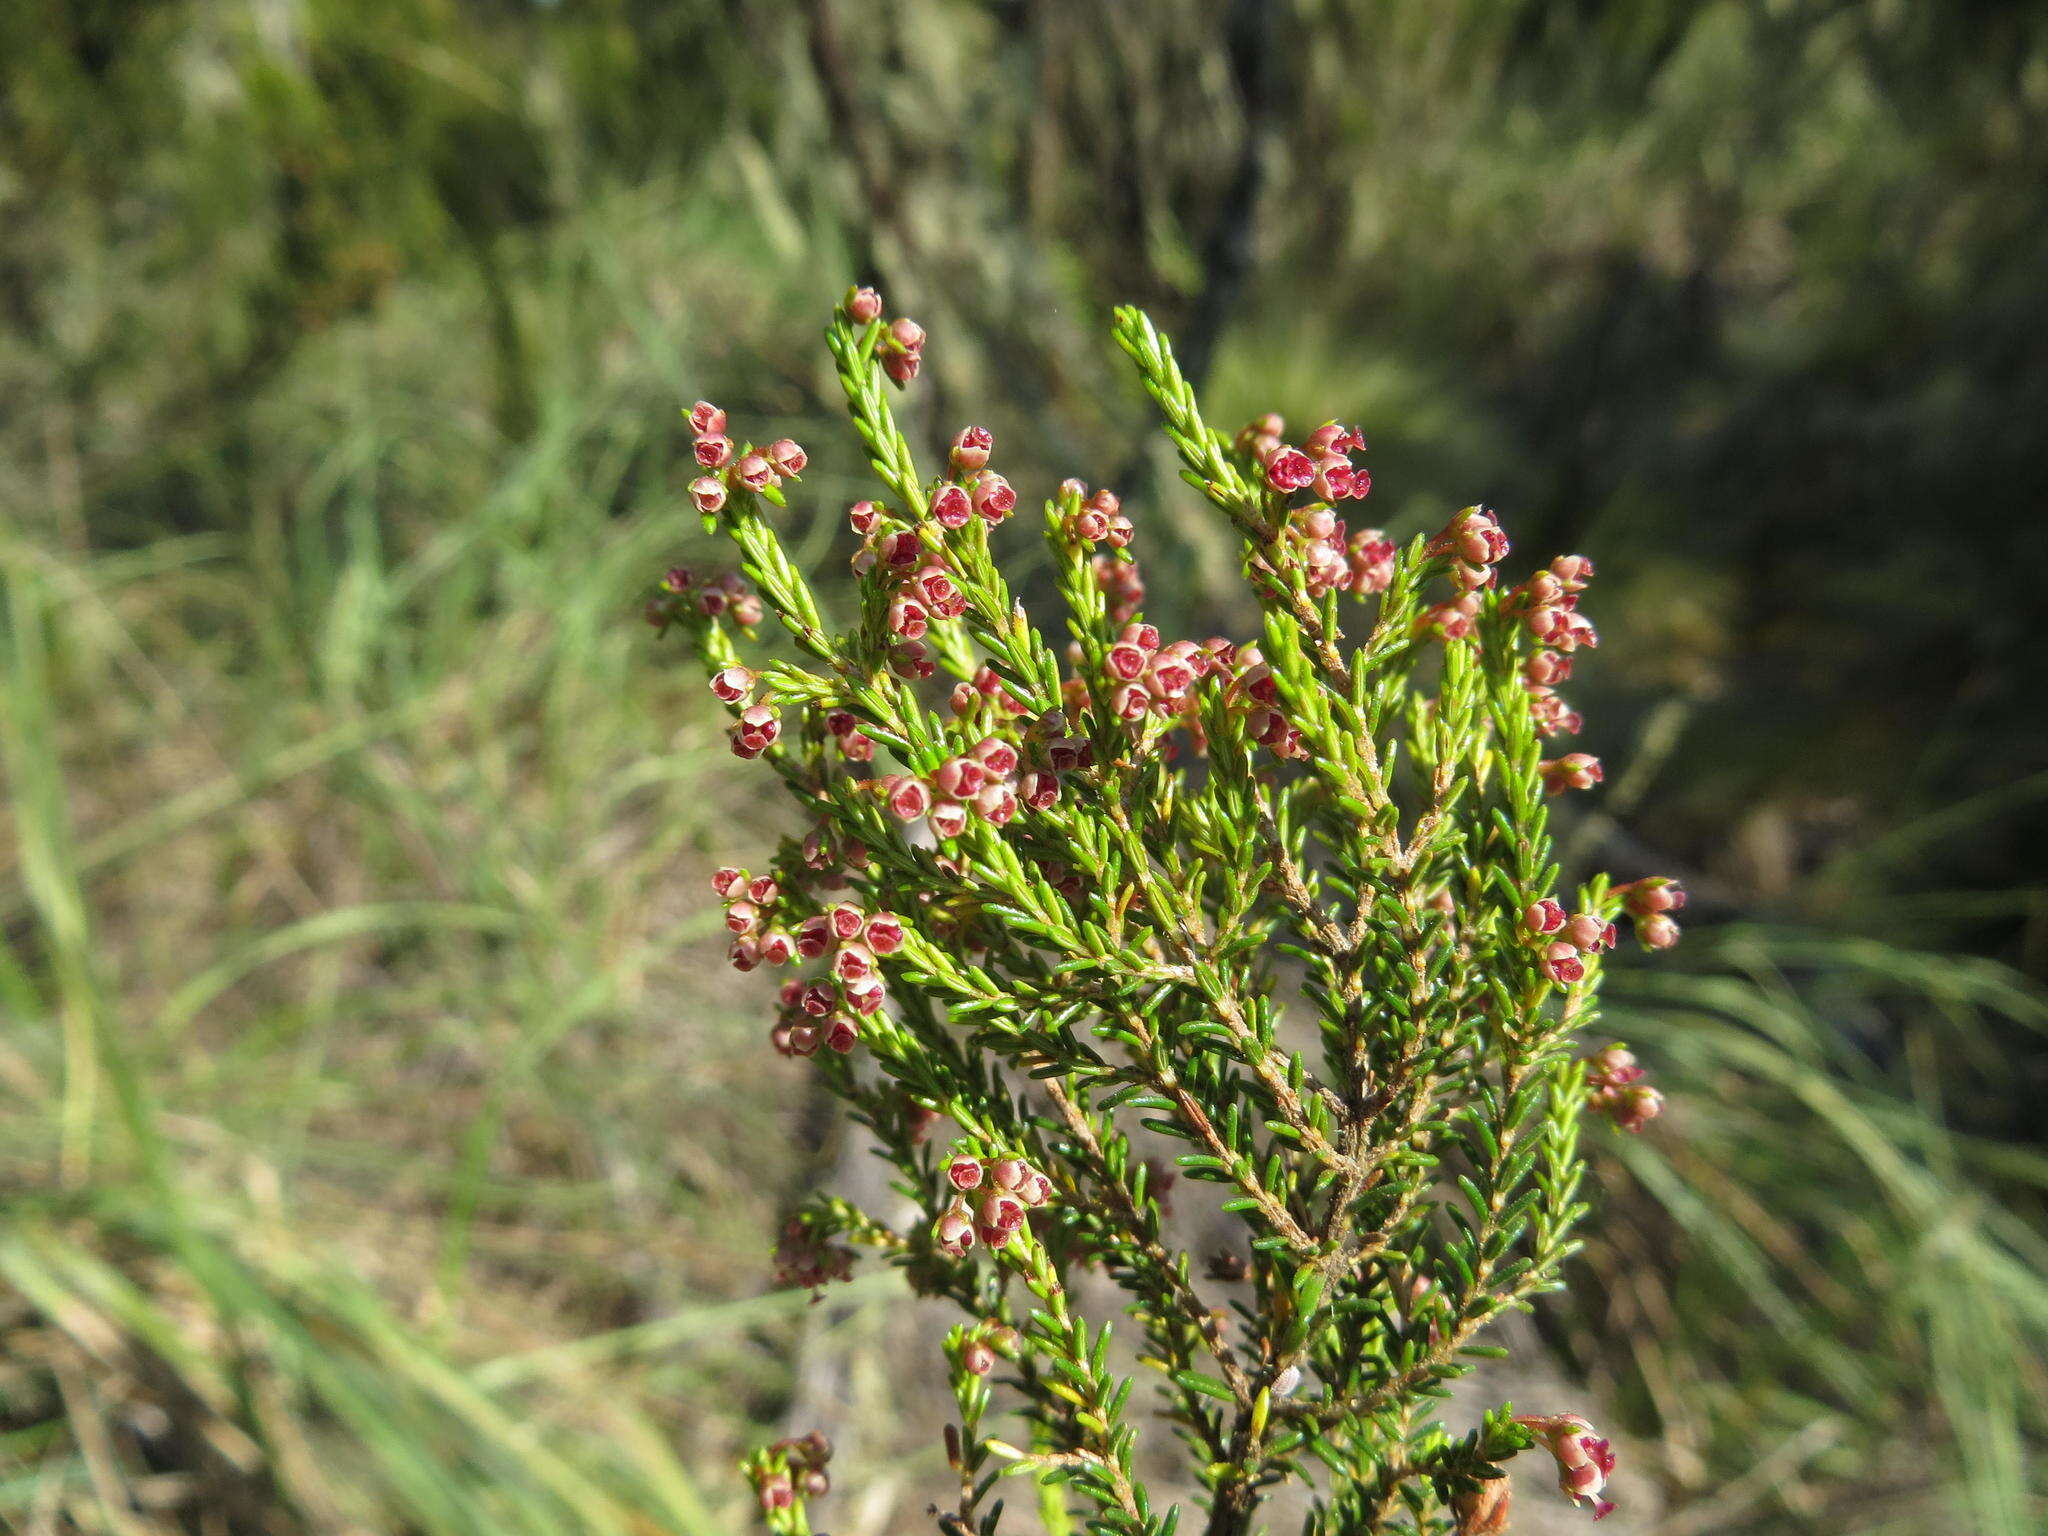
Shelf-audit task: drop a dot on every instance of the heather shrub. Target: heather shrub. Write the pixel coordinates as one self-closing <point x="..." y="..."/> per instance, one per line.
<point x="1285" y="904"/>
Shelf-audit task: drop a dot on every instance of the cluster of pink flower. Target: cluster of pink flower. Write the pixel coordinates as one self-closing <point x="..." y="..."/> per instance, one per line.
<point x="1474" y="544"/>
<point x="1009" y="1187"/>
<point x="1651" y="901"/>
<point x="1149" y="678"/>
<point x="805" y="1460"/>
<point x="1099" y="518"/>
<point x="757" y="727"/>
<point x="723" y="594"/>
<point x="729" y="466"/>
<point x="1618" y="1090"/>
<point x="804" y="1261"/>
<point x="991" y="779"/>
<point x="1334" y="560"/>
<point x="1321" y="464"/>
<point x="1584" y="1460"/>
<point x="1548" y="605"/>
<point x="822" y="1011"/>
<point x="902" y="350"/>
<point x="1566" y="940"/>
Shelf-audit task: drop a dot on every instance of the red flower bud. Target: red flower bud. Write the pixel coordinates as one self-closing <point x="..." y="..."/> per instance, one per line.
<point x="1546" y="916"/>
<point x="862" y="517"/>
<point x="965" y="1172"/>
<point x="714" y="450"/>
<point x="706" y="419"/>
<point x="951" y="507"/>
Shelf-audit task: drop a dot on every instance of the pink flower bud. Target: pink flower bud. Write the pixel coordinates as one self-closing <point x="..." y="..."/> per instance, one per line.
<point x="714" y="450"/>
<point x="788" y="457"/>
<point x="908" y="618"/>
<point x="965" y="1172"/>
<point x="1131" y="702"/>
<point x="971" y="449"/>
<point x="847" y="921"/>
<point x="863" y="305"/>
<point x="813" y="937"/>
<point x="1040" y="789"/>
<point x="777" y="948"/>
<point x="948" y="818"/>
<point x="865" y="996"/>
<point x="1656" y="931"/>
<point x="817" y="998"/>
<point x="1546" y="669"/>
<point x="746" y="610"/>
<point x="1575" y="770"/>
<point x="900" y="366"/>
<point x="1561" y="963"/>
<point x="841" y="1033"/>
<point x="997" y="756"/>
<point x="742" y="917"/>
<point x="728" y="880"/>
<point x="952" y="507"/>
<point x="732" y="684"/>
<point x="1587" y="932"/>
<point x="1089" y="526"/>
<point x="900" y="550"/>
<point x="754" y="472"/>
<point x="910" y="661"/>
<point x="908" y="798"/>
<point x="976" y="1358"/>
<point x="706" y="419"/>
<point x="1573" y="572"/>
<point x="1546" y="916"/>
<point x="884" y="933"/>
<point x="1652" y="894"/>
<point x="1126" y="663"/>
<point x="936" y="588"/>
<point x="1144" y="636"/>
<point x="1633" y="1108"/>
<point x="777" y="1492"/>
<point x="994" y="500"/>
<point x="1584" y="1460"/>
<point x="706" y="494"/>
<point x="960" y="778"/>
<point x="1288" y="470"/>
<point x="954" y="1232"/>
<point x="908" y="335"/>
<point x="862" y="517"/>
<point x="744" y="953"/>
<point x="1613" y="1067"/>
<point x="1000" y="1214"/>
<point x="997" y="804"/>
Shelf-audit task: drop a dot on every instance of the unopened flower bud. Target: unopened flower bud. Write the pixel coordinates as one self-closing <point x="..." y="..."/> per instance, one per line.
<point x="1546" y="916"/>
<point x="706" y="419"/>
<point x="1656" y="931"/>
<point x="713" y="450"/>
<point x="754" y="472"/>
<point x="976" y="1358"/>
<point x="706" y="494"/>
<point x="862" y="305"/>
<point x="1588" y="932"/>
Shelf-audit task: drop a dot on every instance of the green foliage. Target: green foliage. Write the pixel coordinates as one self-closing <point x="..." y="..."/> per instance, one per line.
<point x="1117" y="946"/>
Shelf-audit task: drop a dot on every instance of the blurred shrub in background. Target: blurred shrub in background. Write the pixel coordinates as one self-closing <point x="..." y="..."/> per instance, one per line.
<point x="372" y="1110"/>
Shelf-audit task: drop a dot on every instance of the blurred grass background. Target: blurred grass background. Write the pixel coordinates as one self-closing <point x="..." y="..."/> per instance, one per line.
<point x="383" y="1147"/>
